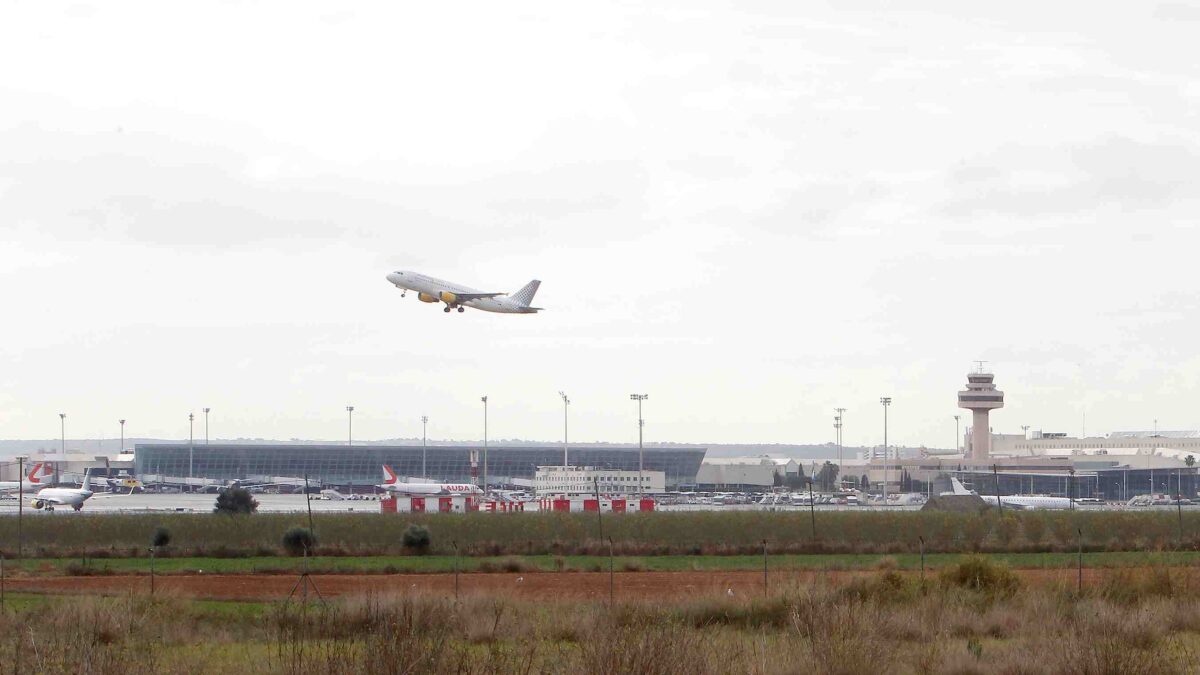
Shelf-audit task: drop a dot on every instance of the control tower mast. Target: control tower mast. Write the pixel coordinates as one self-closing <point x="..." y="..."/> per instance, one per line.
<point x="980" y="397"/>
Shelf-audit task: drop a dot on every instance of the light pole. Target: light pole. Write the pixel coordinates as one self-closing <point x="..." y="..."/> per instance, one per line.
<point x="641" y="425"/>
<point x="62" y="419"/>
<point x="20" y="504"/>
<point x="206" y="411"/>
<point x="424" y="422"/>
<point x="122" y="448"/>
<point x="841" y="413"/>
<point x="191" y="451"/>
<point x="350" y="425"/>
<point x="566" y="403"/>
<point x="485" y="447"/>
<point x="886" y="401"/>
<point x="956" y="434"/>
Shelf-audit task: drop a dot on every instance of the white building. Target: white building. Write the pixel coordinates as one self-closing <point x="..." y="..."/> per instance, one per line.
<point x="584" y="480"/>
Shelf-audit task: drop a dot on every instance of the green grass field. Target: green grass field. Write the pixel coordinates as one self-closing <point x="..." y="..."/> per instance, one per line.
<point x="669" y="563"/>
<point x="638" y="535"/>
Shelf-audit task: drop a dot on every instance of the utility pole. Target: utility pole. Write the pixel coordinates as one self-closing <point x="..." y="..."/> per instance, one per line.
<point x="837" y="424"/>
<point x="957" y="437"/>
<point x="191" y="452"/>
<point x="20" y="506"/>
<point x="886" y="401"/>
<point x="350" y="425"/>
<point x="641" y="452"/>
<point x="424" y="422"/>
<point x="485" y="447"/>
<point x="566" y="403"/>
<point x="122" y="448"/>
<point x="206" y="411"/>
<point x="62" y="419"/>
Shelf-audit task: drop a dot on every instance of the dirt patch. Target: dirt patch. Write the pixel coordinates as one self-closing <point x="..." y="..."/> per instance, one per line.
<point x="528" y="585"/>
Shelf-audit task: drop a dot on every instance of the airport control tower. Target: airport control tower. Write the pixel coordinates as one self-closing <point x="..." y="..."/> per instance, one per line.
<point x="980" y="397"/>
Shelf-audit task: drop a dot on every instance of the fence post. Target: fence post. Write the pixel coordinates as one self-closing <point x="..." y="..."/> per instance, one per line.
<point x="922" y="540"/>
<point x="764" y="542"/>
<point x="455" y="545"/>
<point x="152" y="550"/>
<point x="611" y="584"/>
<point x="1080" y="581"/>
<point x="2" y="583"/>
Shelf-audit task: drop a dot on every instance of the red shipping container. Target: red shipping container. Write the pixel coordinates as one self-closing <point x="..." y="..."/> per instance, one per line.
<point x="445" y="504"/>
<point x="387" y="505"/>
<point x="647" y="505"/>
<point x="591" y="505"/>
<point x="418" y="505"/>
<point x="618" y="506"/>
<point x="562" y="504"/>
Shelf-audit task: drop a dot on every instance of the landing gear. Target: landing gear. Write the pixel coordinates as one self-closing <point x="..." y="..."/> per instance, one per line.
<point x="461" y="310"/>
<point x="403" y="293"/>
<point x="446" y="309"/>
<point x="77" y="507"/>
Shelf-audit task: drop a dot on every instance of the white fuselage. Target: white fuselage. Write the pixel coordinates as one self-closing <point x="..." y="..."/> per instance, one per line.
<point x="1034" y="502"/>
<point x="430" y="289"/>
<point x="423" y="489"/>
<point x="51" y="497"/>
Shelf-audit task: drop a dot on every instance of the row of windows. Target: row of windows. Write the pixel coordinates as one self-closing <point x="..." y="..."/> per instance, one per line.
<point x="363" y="465"/>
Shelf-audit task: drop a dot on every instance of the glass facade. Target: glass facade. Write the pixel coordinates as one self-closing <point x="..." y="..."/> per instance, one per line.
<point x="1116" y="484"/>
<point x="362" y="464"/>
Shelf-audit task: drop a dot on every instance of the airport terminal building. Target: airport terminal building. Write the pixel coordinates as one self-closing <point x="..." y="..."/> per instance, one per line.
<point x="345" y="466"/>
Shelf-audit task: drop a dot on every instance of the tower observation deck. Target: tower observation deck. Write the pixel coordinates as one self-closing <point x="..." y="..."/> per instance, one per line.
<point x="980" y="397"/>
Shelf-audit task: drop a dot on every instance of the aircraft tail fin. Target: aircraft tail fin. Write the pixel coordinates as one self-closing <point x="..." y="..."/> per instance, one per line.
<point x="959" y="488"/>
<point x="525" y="295"/>
<point x="389" y="476"/>
<point x="87" y="480"/>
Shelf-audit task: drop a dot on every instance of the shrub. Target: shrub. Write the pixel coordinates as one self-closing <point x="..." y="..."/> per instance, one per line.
<point x="980" y="574"/>
<point x="297" y="540"/>
<point x="236" y="500"/>
<point x="162" y="537"/>
<point x="416" y="538"/>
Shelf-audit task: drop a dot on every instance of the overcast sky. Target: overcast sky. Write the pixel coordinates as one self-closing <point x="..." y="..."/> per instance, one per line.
<point x="753" y="212"/>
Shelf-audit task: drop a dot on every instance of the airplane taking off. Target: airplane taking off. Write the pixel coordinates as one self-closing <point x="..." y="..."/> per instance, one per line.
<point x="458" y="297"/>
<point x="1016" y="502"/>
<point x="393" y="485"/>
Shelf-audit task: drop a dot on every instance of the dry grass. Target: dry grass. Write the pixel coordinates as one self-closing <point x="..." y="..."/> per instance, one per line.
<point x="968" y="620"/>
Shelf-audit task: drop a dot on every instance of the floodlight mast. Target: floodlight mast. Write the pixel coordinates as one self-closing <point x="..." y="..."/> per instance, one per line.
<point x="566" y="404"/>
<point x="886" y="401"/>
<point x="641" y="451"/>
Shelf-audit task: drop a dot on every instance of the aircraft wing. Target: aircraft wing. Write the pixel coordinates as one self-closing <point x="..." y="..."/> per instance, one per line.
<point x="476" y="296"/>
<point x="107" y="495"/>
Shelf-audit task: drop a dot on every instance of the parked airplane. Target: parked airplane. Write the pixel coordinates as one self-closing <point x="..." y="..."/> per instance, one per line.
<point x="33" y="480"/>
<point x="459" y="297"/>
<point x="48" y="498"/>
<point x="1016" y="502"/>
<point x="393" y="485"/>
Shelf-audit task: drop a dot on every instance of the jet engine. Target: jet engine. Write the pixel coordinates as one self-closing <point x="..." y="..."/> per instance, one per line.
<point x="37" y="503"/>
<point x="425" y="297"/>
<point x="449" y="298"/>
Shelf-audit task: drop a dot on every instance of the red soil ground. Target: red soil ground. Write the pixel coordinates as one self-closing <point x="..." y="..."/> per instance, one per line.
<point x="527" y="585"/>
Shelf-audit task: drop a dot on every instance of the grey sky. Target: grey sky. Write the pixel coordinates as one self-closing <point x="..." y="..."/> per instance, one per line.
<point x="754" y="212"/>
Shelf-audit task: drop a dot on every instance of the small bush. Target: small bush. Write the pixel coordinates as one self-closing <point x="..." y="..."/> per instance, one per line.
<point x="162" y="537"/>
<point x="980" y="574"/>
<point x="298" y="540"/>
<point x="416" y="538"/>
